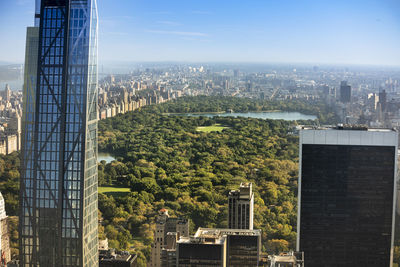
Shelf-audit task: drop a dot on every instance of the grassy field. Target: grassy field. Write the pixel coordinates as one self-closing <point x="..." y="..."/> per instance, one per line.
<point x="114" y="191"/>
<point x="212" y="128"/>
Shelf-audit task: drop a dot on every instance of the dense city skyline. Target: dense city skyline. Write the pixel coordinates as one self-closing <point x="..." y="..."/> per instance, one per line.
<point x="341" y="32"/>
<point x="271" y="127"/>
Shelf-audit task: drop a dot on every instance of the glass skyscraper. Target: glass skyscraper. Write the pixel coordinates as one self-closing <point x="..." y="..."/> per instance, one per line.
<point x="58" y="197"/>
<point x="347" y="193"/>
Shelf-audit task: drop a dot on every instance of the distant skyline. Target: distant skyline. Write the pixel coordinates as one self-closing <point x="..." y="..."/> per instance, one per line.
<point x="364" y="32"/>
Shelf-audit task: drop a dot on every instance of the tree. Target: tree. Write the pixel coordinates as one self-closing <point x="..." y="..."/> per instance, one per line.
<point x="277" y="246"/>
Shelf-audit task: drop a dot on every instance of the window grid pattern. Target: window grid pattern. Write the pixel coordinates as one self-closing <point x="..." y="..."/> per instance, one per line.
<point x="346" y="205"/>
<point x="63" y="176"/>
<point x="90" y="214"/>
<point x="243" y="250"/>
<point x="42" y="146"/>
<point x="32" y="46"/>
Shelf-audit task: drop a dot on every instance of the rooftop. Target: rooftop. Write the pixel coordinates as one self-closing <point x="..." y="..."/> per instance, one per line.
<point x="347" y="127"/>
<point x="352" y="135"/>
<point x="110" y="255"/>
<point x="206" y="240"/>
<point x="245" y="184"/>
<point x="245" y="191"/>
<point x="212" y="232"/>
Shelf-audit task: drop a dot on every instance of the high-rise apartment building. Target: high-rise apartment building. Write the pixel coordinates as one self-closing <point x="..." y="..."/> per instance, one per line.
<point x="7" y="93"/>
<point x="236" y="73"/>
<point x="241" y="207"/>
<point x="383" y="100"/>
<point x="164" y="225"/>
<point x="58" y="197"/>
<point x="345" y="92"/>
<point x="347" y="192"/>
<point x="373" y="100"/>
<point x="168" y="253"/>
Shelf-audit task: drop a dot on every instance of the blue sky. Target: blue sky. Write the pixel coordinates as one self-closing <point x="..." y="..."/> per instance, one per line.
<point x="288" y="31"/>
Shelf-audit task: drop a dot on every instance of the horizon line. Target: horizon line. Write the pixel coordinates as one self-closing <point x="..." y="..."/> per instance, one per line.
<point x="108" y="61"/>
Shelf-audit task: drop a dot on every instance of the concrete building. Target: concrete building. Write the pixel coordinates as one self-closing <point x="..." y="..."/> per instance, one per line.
<point x="241" y="207"/>
<point x="103" y="244"/>
<point x="110" y="258"/>
<point x="8" y="144"/>
<point x="168" y="253"/>
<point x="373" y="100"/>
<point x="165" y="225"/>
<point x="7" y="93"/>
<point x="347" y="193"/>
<point x="10" y="132"/>
<point x="5" y="253"/>
<point x="15" y="128"/>
<point x="3" y="149"/>
<point x="291" y="259"/>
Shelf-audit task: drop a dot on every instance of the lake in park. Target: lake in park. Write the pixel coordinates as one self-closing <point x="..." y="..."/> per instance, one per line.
<point x="287" y="116"/>
<point x="105" y="156"/>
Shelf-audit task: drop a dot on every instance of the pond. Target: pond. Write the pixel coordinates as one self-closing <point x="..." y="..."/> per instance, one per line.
<point x="105" y="156"/>
<point x="288" y="116"/>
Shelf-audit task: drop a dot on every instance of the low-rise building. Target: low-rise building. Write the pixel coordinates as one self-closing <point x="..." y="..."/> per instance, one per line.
<point x="290" y="259"/>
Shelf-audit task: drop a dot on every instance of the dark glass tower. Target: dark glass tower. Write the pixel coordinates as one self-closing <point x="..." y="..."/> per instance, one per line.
<point x="347" y="193"/>
<point x="345" y="92"/>
<point x="58" y="197"/>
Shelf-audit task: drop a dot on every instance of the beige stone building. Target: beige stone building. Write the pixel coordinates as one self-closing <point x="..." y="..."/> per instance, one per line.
<point x="165" y="225"/>
<point x="5" y="253"/>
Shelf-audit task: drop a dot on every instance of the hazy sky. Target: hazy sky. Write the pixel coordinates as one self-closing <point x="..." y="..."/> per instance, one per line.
<point x="306" y="31"/>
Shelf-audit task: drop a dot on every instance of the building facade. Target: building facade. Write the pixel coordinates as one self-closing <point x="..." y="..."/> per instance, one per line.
<point x="347" y="192"/>
<point x="241" y="207"/>
<point x="345" y="92"/>
<point x="168" y="253"/>
<point x="220" y="247"/>
<point x="58" y="196"/>
<point x="109" y="258"/>
<point x="243" y="248"/>
<point x="8" y="144"/>
<point x="290" y="259"/>
<point x="165" y="225"/>
<point x="5" y="253"/>
<point x="201" y="251"/>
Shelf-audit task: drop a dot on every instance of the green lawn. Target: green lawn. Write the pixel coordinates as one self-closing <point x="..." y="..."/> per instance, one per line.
<point x="212" y="128"/>
<point x="114" y="191"/>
